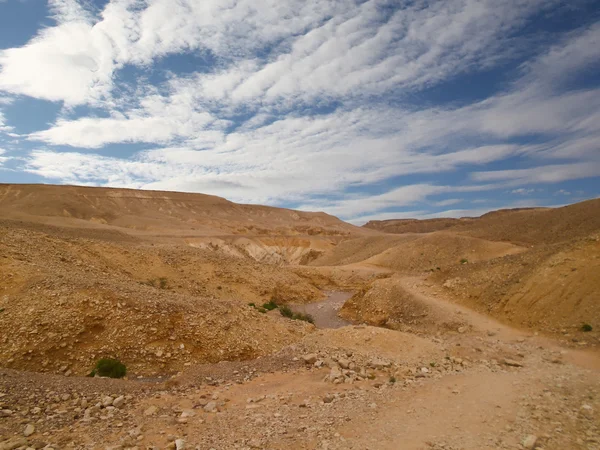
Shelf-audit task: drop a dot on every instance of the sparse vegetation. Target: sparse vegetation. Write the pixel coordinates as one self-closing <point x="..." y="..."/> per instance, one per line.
<point x="111" y="368"/>
<point x="159" y="283"/>
<point x="2" y="310"/>
<point x="392" y="379"/>
<point x="286" y="311"/>
<point x="464" y="261"/>
<point x="586" y="328"/>
<point x="270" y="306"/>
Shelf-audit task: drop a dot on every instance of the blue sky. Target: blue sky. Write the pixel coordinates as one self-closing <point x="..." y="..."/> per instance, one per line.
<point x="363" y="109"/>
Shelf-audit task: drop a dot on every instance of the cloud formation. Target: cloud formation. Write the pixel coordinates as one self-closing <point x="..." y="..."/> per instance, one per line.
<point x="313" y="104"/>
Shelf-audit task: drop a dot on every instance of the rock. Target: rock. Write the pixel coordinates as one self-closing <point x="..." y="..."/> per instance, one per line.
<point x="335" y="374"/>
<point x="150" y="411"/>
<point x="119" y="401"/>
<point x="424" y="370"/>
<point x="512" y="363"/>
<point x="529" y="442"/>
<point x="462" y="330"/>
<point x="491" y="333"/>
<point x="179" y="444"/>
<point x="379" y="363"/>
<point x="29" y="430"/>
<point x="328" y="398"/>
<point x="187" y="413"/>
<point x="310" y="358"/>
<point x="107" y="401"/>
<point x="587" y="411"/>
<point x="211" y="407"/>
<point x="13" y="443"/>
<point x="5" y="412"/>
<point x="344" y="363"/>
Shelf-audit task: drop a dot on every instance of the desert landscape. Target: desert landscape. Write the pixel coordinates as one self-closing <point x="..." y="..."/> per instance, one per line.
<point x="247" y="327"/>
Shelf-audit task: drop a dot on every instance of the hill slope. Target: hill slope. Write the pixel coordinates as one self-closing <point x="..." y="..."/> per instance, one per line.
<point x="156" y="212"/>
<point x="519" y="226"/>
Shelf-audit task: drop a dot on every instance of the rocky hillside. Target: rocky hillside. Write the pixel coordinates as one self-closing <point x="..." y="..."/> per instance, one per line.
<point x="155" y="213"/>
<point x="523" y="226"/>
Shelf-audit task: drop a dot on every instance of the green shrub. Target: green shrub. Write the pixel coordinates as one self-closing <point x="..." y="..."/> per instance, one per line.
<point x="305" y="317"/>
<point x="586" y="327"/>
<point x="253" y="305"/>
<point x="285" y="311"/>
<point x="112" y="368"/>
<point x="464" y="261"/>
<point x="270" y="306"/>
<point x="392" y="379"/>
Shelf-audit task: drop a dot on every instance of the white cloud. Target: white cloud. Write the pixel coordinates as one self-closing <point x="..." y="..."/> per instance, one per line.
<point x="542" y="174"/>
<point x="522" y="191"/>
<point x="276" y="62"/>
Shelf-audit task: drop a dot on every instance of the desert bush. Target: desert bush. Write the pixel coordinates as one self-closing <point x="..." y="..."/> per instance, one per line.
<point x="464" y="261"/>
<point x="586" y="327"/>
<point x="107" y="367"/>
<point x="270" y="306"/>
<point x="285" y="311"/>
<point x="305" y="317"/>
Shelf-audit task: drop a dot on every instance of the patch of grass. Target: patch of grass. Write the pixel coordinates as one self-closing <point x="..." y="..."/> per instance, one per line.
<point x="262" y="310"/>
<point x="253" y="305"/>
<point x="586" y="328"/>
<point x="305" y="317"/>
<point x="270" y="306"/>
<point x="392" y="379"/>
<point x="160" y="283"/>
<point x="464" y="261"/>
<point x="107" y="367"/>
<point x="285" y="311"/>
<point x="2" y="310"/>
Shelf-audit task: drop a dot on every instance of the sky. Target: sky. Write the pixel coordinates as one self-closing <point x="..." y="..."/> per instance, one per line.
<point x="364" y="109"/>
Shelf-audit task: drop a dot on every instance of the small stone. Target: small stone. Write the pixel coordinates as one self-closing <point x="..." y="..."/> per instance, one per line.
<point x="462" y="330"/>
<point x="310" y="358"/>
<point x="512" y="363"/>
<point x="587" y="411"/>
<point x="179" y="444"/>
<point x="211" y="407"/>
<point x="151" y="411"/>
<point x="335" y="374"/>
<point x="29" y="430"/>
<point x="529" y="442"/>
<point x="379" y="364"/>
<point x="119" y="401"/>
<point x="328" y="398"/>
<point x="344" y="363"/>
<point x="13" y="443"/>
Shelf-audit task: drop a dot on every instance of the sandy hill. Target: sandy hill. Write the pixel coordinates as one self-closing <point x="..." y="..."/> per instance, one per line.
<point x="176" y="287"/>
<point x="156" y="212"/>
<point x="521" y="226"/>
